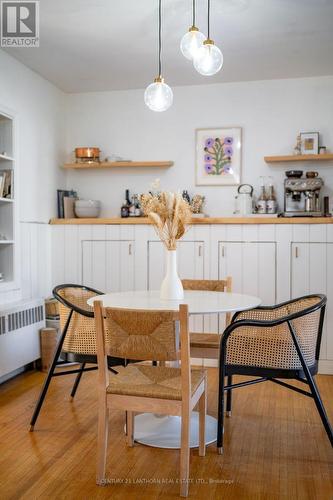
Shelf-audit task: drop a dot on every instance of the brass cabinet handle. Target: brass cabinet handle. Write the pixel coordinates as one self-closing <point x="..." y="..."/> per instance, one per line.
<point x="296" y="252"/>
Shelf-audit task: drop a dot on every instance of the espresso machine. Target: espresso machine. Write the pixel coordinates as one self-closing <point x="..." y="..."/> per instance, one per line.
<point x="301" y="194"/>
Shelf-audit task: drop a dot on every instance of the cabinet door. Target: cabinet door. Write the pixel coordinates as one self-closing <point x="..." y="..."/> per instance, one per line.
<point x="108" y="265"/>
<point x="252" y="266"/>
<point x="190" y="259"/>
<point x="312" y="272"/>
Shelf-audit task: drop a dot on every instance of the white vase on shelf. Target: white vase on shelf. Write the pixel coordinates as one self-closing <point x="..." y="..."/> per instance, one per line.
<point x="171" y="288"/>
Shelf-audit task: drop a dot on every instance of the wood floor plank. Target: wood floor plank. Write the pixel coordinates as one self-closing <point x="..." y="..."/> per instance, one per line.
<point x="275" y="447"/>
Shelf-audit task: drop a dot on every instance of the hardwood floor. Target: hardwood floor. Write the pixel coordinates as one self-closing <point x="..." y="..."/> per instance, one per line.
<point x="275" y="447"/>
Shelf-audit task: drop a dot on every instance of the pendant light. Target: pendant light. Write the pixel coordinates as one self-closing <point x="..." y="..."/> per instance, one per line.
<point x="158" y="95"/>
<point x="192" y="40"/>
<point x="208" y="59"/>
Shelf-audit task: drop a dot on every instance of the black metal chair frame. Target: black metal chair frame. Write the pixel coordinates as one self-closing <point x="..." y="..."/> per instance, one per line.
<point x="80" y="358"/>
<point x="304" y="375"/>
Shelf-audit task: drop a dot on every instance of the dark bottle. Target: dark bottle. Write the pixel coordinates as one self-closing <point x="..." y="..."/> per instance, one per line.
<point x="125" y="209"/>
<point x="124" y="212"/>
<point x="186" y="196"/>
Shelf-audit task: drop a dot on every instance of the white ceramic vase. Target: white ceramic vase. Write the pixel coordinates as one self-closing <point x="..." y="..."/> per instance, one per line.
<point x="171" y="288"/>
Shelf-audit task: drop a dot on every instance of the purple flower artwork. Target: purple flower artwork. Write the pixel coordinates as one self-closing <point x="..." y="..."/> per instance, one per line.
<point x="218" y="154"/>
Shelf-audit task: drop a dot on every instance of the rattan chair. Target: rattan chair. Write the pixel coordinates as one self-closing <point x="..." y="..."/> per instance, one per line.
<point x="206" y="345"/>
<point x="278" y="342"/>
<point x="77" y="340"/>
<point x="149" y="335"/>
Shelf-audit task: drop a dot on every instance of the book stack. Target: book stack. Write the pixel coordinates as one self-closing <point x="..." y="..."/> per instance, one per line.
<point x="6" y="183"/>
<point x="66" y="200"/>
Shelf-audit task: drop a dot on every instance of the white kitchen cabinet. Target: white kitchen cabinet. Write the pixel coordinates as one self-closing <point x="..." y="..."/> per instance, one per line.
<point x="108" y="265"/>
<point x="312" y="272"/>
<point x="252" y="266"/>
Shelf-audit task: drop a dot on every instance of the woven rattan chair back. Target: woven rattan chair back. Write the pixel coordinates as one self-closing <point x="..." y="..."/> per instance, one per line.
<point x="135" y="334"/>
<point x="259" y="340"/>
<point x="81" y="335"/>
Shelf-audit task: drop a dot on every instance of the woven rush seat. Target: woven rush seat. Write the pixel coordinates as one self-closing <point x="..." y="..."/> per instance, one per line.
<point x="152" y="382"/>
<point x="205" y="340"/>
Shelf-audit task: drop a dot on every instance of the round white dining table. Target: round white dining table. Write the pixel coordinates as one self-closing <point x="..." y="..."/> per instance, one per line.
<point x="159" y="430"/>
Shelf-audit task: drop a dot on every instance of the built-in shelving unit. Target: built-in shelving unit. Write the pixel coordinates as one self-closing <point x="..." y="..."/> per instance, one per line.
<point x="7" y="201"/>
<point x="117" y="164"/>
<point x="292" y="158"/>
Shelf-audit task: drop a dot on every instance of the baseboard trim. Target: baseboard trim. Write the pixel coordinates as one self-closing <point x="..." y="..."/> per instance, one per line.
<point x="325" y="367"/>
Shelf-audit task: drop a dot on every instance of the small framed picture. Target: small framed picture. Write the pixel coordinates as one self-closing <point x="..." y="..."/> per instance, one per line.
<point x="218" y="156"/>
<point x="309" y="143"/>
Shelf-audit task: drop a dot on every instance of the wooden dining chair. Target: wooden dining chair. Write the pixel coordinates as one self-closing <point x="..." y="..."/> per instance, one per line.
<point x="206" y="345"/>
<point x="149" y="335"/>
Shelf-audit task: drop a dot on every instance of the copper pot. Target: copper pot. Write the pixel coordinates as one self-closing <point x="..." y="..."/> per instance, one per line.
<point x="87" y="153"/>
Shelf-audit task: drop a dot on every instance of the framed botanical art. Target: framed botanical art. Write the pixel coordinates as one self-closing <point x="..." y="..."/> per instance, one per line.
<point x="218" y="156"/>
<point x="309" y="143"/>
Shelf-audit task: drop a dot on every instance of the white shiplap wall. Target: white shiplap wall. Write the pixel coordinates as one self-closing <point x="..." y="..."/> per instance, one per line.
<point x="35" y="268"/>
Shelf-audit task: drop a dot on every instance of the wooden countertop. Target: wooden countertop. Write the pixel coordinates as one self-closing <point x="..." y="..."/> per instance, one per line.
<point x="203" y="220"/>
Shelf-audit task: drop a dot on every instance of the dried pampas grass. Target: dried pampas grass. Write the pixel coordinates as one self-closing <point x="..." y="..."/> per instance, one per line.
<point x="169" y="213"/>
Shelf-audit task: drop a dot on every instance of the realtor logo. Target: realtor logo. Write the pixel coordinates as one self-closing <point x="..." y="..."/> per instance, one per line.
<point x="20" y="24"/>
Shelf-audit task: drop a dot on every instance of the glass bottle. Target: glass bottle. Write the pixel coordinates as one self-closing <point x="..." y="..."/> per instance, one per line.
<point x="136" y="203"/>
<point x="131" y="207"/>
<point x="271" y="203"/>
<point x="262" y="201"/>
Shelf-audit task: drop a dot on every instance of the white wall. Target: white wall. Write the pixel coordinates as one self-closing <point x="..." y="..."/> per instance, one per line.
<point x="39" y="107"/>
<point x="271" y="113"/>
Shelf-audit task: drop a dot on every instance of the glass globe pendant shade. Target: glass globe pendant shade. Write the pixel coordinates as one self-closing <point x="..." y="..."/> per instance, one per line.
<point x="209" y="59"/>
<point x="158" y="95"/>
<point x="191" y="42"/>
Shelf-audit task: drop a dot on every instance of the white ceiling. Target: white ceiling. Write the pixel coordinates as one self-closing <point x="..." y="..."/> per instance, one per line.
<point x="94" y="45"/>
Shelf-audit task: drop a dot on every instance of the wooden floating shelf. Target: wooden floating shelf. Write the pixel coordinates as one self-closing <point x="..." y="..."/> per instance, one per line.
<point x="121" y="164"/>
<point x="291" y="158"/>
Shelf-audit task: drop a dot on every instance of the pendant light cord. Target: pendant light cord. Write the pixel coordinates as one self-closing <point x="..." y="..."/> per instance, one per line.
<point x="208" y="20"/>
<point x="159" y="38"/>
<point x="193" y="13"/>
